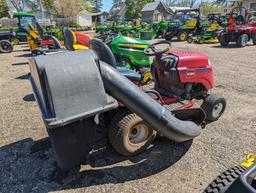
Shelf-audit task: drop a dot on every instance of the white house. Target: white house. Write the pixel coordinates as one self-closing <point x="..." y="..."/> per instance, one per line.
<point x="86" y="19"/>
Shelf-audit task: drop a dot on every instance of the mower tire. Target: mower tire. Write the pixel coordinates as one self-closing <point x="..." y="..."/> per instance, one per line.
<point x="242" y="40"/>
<point x="223" y="40"/>
<point x="6" y="46"/>
<point x="222" y="183"/>
<point x="190" y="40"/>
<point x="182" y="36"/>
<point x="129" y="134"/>
<point x="168" y="37"/>
<point x="214" y="107"/>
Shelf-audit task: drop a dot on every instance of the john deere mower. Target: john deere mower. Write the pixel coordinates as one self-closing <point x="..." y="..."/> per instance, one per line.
<point x="160" y="28"/>
<point x="205" y="34"/>
<point x="85" y="101"/>
<point x="183" y="24"/>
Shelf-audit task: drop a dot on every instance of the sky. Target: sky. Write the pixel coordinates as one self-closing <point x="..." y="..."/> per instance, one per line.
<point x="107" y="4"/>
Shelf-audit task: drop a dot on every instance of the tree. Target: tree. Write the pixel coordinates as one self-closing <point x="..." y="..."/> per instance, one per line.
<point x="207" y="8"/>
<point x="186" y="3"/>
<point x="3" y="9"/>
<point x="48" y="5"/>
<point x="69" y="8"/>
<point x="134" y="7"/>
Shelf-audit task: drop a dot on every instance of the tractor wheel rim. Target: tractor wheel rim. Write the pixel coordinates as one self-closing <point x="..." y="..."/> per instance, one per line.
<point x="183" y="36"/>
<point x="138" y="134"/>
<point x="5" y="46"/>
<point x="217" y="110"/>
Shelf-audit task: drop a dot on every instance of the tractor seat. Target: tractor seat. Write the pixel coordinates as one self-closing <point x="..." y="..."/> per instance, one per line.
<point x="105" y="54"/>
<point x="70" y="41"/>
<point x="56" y="42"/>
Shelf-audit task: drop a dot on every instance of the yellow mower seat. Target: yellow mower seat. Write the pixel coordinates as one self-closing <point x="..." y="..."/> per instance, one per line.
<point x="70" y="41"/>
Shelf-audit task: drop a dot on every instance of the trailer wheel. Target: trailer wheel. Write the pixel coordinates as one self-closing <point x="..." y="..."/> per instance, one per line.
<point x="222" y="183"/>
<point x="6" y="46"/>
<point x="242" y="40"/>
<point x="182" y="36"/>
<point x="214" y="107"/>
<point x="129" y="134"/>
<point x="223" y="40"/>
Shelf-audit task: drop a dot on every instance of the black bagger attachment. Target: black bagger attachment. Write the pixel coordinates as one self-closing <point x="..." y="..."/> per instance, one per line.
<point x="71" y="88"/>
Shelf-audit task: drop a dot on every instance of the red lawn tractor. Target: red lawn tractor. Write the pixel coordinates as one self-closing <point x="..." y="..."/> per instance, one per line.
<point x="240" y="34"/>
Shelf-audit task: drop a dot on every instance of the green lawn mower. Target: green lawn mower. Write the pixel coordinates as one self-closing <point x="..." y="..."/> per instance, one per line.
<point x="206" y="34"/>
<point x="183" y="24"/>
<point x="160" y="28"/>
<point x="129" y="52"/>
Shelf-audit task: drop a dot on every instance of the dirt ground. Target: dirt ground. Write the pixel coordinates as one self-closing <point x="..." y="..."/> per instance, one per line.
<point x="27" y="162"/>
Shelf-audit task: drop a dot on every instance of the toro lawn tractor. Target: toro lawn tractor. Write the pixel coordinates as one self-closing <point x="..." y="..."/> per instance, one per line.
<point x="238" y="179"/>
<point x="183" y="25"/>
<point x="85" y="101"/>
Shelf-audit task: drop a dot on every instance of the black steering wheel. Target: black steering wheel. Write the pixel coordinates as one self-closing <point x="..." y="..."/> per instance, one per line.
<point x="153" y="51"/>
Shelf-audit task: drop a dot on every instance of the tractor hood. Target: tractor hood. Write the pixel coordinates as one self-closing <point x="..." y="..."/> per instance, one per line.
<point x="191" y="59"/>
<point x="129" y="42"/>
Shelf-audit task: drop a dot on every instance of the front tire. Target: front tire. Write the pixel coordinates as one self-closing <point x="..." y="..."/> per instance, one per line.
<point x="129" y="134"/>
<point x="222" y="183"/>
<point x="182" y="36"/>
<point x="214" y="107"/>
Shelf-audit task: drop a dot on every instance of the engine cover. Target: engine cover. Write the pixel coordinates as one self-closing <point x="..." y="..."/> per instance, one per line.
<point x="194" y="67"/>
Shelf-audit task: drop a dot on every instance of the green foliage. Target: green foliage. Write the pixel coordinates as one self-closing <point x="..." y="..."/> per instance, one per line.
<point x="3" y="9"/>
<point x="134" y="7"/>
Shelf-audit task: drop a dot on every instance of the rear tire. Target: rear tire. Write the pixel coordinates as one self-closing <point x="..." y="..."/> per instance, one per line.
<point x="222" y="183"/>
<point x="214" y="107"/>
<point x="223" y="40"/>
<point x="242" y="40"/>
<point x="129" y="134"/>
<point x="6" y="46"/>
